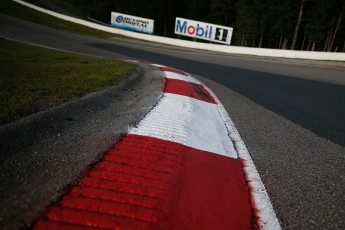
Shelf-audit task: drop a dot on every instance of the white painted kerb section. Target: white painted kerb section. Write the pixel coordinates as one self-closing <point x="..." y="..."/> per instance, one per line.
<point x="189" y="44"/>
<point x="189" y="122"/>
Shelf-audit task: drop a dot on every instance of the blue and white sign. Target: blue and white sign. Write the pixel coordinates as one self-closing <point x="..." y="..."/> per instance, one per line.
<point x="130" y="22"/>
<point x="202" y="30"/>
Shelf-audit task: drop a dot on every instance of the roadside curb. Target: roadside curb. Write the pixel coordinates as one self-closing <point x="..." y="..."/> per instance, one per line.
<point x="177" y="169"/>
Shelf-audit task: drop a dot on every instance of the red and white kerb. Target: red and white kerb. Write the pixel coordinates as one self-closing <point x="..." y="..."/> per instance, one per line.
<point x="177" y="169"/>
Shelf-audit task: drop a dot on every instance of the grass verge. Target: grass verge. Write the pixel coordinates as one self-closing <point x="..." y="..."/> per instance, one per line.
<point x="14" y="9"/>
<point x="33" y="79"/>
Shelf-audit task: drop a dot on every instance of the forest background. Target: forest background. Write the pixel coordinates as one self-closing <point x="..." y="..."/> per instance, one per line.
<point x="312" y="25"/>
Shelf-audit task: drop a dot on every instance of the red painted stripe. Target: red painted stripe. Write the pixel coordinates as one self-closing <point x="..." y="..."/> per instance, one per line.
<point x="140" y="164"/>
<point x="188" y="89"/>
<point x="129" y="147"/>
<point x="93" y="219"/>
<point x="125" y="188"/>
<point x="107" y="207"/>
<point x="123" y="178"/>
<point x="125" y="169"/>
<point x="202" y="190"/>
<point x="50" y="225"/>
<point x="213" y="194"/>
<point x="168" y="69"/>
<point x="146" y="157"/>
<point x="119" y="197"/>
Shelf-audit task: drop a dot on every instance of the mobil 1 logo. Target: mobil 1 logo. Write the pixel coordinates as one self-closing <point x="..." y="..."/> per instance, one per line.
<point x="221" y="34"/>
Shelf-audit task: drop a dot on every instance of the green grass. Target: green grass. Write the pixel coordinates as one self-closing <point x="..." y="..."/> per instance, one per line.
<point x="34" y="79"/>
<point x="16" y="10"/>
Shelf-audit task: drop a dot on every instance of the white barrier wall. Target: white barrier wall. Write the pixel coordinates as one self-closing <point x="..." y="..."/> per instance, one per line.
<point x="328" y="56"/>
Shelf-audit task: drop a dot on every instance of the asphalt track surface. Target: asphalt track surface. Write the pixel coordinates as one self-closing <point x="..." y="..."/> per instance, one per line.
<point x="290" y="115"/>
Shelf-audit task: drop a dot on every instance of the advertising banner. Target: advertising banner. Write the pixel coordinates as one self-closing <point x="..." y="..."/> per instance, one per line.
<point x="202" y="30"/>
<point x="130" y="22"/>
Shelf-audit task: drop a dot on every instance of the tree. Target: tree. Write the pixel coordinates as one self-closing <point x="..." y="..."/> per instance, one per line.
<point x="337" y="27"/>
<point x="324" y="28"/>
<point x="298" y="24"/>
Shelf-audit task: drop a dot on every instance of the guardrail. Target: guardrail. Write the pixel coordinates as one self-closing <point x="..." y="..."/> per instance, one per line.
<point x="326" y="56"/>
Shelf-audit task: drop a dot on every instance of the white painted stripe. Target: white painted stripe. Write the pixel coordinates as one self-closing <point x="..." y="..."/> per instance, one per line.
<point x="187" y="121"/>
<point x="157" y="65"/>
<point x="267" y="218"/>
<point x="177" y="76"/>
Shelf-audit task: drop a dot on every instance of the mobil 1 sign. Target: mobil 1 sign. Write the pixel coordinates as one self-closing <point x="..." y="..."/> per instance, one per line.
<point x="202" y="30"/>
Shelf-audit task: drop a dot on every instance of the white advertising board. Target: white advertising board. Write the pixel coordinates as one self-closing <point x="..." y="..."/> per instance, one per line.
<point x="202" y="30"/>
<point x="130" y="22"/>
